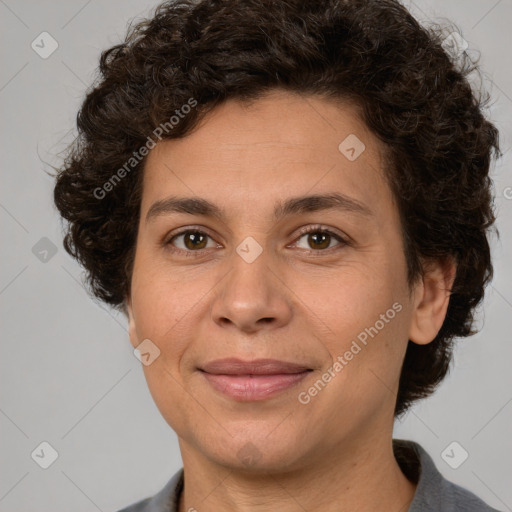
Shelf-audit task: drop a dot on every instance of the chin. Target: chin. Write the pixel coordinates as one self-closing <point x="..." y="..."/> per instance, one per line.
<point x="254" y="451"/>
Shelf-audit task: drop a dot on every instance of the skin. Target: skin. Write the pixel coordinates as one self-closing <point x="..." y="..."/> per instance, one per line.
<point x="333" y="453"/>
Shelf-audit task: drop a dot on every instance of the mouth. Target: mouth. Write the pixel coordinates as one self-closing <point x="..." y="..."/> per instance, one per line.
<point x="260" y="379"/>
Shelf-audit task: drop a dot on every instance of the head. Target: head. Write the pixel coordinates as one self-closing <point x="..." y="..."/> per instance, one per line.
<point x="328" y="165"/>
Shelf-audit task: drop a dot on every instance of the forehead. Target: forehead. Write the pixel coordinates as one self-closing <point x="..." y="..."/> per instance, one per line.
<point x="281" y="145"/>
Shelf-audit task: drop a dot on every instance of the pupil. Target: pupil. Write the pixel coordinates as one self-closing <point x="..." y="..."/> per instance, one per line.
<point x="323" y="236"/>
<point x="193" y="240"/>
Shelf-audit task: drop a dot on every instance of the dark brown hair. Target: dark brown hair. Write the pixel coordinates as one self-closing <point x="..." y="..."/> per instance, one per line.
<point x="414" y="97"/>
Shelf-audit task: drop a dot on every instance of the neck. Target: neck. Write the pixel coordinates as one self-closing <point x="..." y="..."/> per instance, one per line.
<point x="363" y="477"/>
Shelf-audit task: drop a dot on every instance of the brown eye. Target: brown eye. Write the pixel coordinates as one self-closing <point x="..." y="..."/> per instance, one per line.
<point x="320" y="240"/>
<point x="190" y="240"/>
<point x="194" y="240"/>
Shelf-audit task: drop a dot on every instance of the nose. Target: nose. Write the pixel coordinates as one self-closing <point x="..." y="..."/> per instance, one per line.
<point x="252" y="296"/>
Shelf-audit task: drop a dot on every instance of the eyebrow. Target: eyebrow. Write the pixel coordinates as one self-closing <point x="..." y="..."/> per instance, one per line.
<point x="292" y="206"/>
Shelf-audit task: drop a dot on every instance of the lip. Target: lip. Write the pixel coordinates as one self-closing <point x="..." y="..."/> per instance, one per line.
<point x="234" y="366"/>
<point x="259" y="379"/>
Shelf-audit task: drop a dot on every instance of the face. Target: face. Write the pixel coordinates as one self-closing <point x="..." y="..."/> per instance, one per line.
<point x="264" y="270"/>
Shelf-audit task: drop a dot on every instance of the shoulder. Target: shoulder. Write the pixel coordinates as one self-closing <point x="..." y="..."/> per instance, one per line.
<point x="434" y="493"/>
<point x="164" y="501"/>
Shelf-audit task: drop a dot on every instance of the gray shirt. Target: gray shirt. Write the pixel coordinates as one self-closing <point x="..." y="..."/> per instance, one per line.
<point x="433" y="494"/>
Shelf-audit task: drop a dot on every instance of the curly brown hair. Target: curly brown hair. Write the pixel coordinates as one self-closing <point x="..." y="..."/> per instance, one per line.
<point x="414" y="97"/>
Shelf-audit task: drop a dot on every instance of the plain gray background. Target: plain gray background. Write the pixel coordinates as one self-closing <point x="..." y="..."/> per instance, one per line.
<point x="68" y="373"/>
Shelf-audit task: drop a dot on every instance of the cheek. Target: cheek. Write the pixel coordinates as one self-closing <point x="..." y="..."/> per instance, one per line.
<point x="169" y="305"/>
<point x="166" y="308"/>
<point x="366" y="313"/>
<point x="355" y="298"/>
<point x="163" y="296"/>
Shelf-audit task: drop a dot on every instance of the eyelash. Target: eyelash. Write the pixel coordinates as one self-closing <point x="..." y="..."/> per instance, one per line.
<point x="310" y="229"/>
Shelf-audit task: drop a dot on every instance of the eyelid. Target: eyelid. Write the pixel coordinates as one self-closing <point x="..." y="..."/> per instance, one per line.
<point x="187" y="229"/>
<point x="312" y="228"/>
<point x="319" y="228"/>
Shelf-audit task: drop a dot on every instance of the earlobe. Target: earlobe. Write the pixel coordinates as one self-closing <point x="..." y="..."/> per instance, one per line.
<point x="432" y="297"/>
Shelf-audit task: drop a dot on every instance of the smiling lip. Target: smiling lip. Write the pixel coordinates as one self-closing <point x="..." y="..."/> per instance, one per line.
<point x="253" y="380"/>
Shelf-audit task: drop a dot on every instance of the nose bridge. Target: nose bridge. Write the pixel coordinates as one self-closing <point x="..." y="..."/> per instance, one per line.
<point x="251" y="295"/>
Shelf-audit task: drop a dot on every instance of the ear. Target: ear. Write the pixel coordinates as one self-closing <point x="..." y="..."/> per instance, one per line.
<point x="432" y="295"/>
<point x="132" y="328"/>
